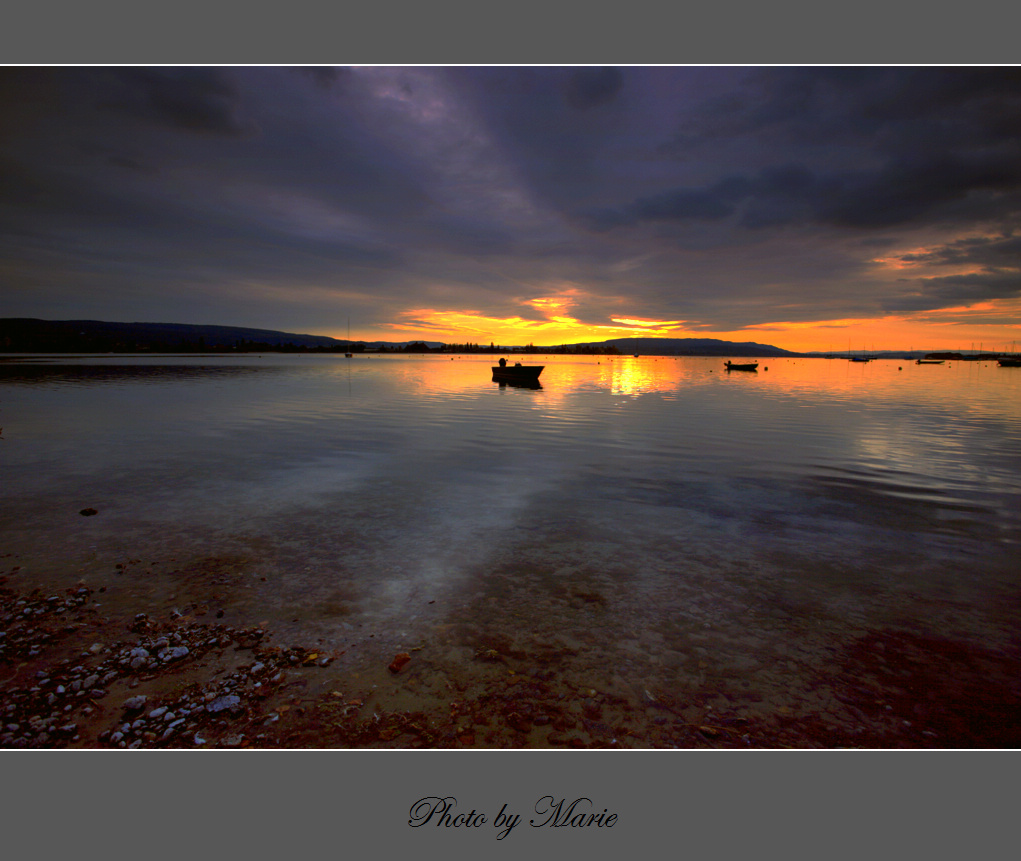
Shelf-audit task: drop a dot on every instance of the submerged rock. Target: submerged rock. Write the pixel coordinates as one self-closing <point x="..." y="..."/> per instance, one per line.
<point x="398" y="662"/>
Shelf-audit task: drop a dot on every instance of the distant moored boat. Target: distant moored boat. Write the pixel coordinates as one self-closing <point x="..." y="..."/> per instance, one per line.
<point x="517" y="373"/>
<point x="748" y="366"/>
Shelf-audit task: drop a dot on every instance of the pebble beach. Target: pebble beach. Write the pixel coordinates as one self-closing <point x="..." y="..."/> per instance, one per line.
<point x="78" y="670"/>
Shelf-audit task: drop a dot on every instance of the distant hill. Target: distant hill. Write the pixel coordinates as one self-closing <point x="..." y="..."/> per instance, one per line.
<point x="29" y="335"/>
<point x="690" y="347"/>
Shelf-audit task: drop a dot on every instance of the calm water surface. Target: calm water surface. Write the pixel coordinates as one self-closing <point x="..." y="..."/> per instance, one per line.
<point x="641" y="508"/>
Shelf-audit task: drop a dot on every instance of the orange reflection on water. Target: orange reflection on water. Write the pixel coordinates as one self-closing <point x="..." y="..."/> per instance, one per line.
<point x="982" y="386"/>
<point x="629" y="375"/>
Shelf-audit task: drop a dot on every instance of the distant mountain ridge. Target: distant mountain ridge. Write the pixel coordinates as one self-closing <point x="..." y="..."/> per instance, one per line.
<point x="691" y="347"/>
<point x="28" y="334"/>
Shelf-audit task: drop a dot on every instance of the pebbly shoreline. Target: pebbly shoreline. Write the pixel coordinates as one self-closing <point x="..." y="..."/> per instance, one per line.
<point x="72" y="676"/>
<point x="182" y="683"/>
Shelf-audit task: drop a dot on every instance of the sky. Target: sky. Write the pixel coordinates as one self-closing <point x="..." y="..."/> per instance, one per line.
<point x="812" y="208"/>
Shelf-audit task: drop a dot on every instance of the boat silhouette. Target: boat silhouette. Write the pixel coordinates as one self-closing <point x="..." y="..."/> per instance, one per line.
<point x="517" y="374"/>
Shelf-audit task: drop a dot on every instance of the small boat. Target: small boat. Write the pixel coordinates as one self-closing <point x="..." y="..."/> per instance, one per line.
<point x="1009" y="362"/>
<point x="929" y="361"/>
<point x="750" y="366"/>
<point x="517" y="373"/>
<point x="859" y="359"/>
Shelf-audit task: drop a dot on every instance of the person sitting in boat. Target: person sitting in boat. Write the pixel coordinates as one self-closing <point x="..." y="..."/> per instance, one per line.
<point x="503" y="363"/>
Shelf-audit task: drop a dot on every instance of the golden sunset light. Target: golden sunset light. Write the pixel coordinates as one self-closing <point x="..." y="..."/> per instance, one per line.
<point x="552" y="330"/>
<point x="954" y="329"/>
<point x="990" y="323"/>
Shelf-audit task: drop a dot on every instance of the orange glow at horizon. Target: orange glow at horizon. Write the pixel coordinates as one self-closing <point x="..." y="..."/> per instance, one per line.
<point x="993" y="324"/>
<point x="555" y="328"/>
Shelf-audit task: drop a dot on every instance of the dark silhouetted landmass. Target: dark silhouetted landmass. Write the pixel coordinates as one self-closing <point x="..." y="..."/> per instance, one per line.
<point x="690" y="347"/>
<point x="29" y="335"/>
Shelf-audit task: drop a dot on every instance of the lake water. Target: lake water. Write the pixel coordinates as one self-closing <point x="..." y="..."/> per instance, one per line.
<point x="739" y="544"/>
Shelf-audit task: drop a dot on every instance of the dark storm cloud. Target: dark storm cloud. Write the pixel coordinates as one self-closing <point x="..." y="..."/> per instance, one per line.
<point x="995" y="264"/>
<point x="983" y="251"/>
<point x="198" y="100"/>
<point x="717" y="202"/>
<point x="888" y="109"/>
<point x="588" y="88"/>
<point x="192" y="192"/>
<point x="552" y="125"/>
<point x="914" y="189"/>
<point x="687" y="193"/>
<point x="924" y="187"/>
<point x="954" y="290"/>
<point x="875" y="148"/>
<point x="323" y="76"/>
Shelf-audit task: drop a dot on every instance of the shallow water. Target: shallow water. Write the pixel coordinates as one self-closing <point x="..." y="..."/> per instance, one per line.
<point x="647" y="524"/>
